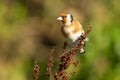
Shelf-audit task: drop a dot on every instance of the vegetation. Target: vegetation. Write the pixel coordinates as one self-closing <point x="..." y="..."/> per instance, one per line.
<point x="29" y="29"/>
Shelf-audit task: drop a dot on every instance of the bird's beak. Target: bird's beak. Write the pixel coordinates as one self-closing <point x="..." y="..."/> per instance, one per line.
<point x="59" y="18"/>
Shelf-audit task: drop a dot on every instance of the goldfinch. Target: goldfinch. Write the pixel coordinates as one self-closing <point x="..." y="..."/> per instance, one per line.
<point x="71" y="29"/>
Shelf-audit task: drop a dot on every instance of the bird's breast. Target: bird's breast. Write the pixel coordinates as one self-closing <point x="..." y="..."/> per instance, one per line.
<point x="66" y="30"/>
<point x="69" y="29"/>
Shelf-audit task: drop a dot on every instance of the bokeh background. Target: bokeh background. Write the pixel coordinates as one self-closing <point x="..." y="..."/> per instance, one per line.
<point x="29" y="29"/>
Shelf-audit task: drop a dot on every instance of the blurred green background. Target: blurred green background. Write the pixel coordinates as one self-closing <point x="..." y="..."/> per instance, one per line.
<point x="29" y="29"/>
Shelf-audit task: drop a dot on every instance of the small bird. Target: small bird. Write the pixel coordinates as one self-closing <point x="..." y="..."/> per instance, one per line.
<point x="71" y="29"/>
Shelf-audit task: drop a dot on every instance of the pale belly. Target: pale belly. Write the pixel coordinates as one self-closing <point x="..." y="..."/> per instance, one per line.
<point x="75" y="36"/>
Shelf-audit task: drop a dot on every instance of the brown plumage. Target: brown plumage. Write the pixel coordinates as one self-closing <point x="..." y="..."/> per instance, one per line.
<point x="75" y="24"/>
<point x="71" y="29"/>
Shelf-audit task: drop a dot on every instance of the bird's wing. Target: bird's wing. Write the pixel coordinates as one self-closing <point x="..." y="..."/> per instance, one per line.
<point x="78" y="27"/>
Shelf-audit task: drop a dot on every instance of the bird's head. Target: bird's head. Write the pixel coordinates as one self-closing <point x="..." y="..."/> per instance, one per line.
<point x="65" y="18"/>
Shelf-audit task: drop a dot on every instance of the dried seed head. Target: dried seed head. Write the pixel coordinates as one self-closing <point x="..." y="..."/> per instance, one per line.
<point x="66" y="58"/>
<point x="36" y="71"/>
<point x="50" y="62"/>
